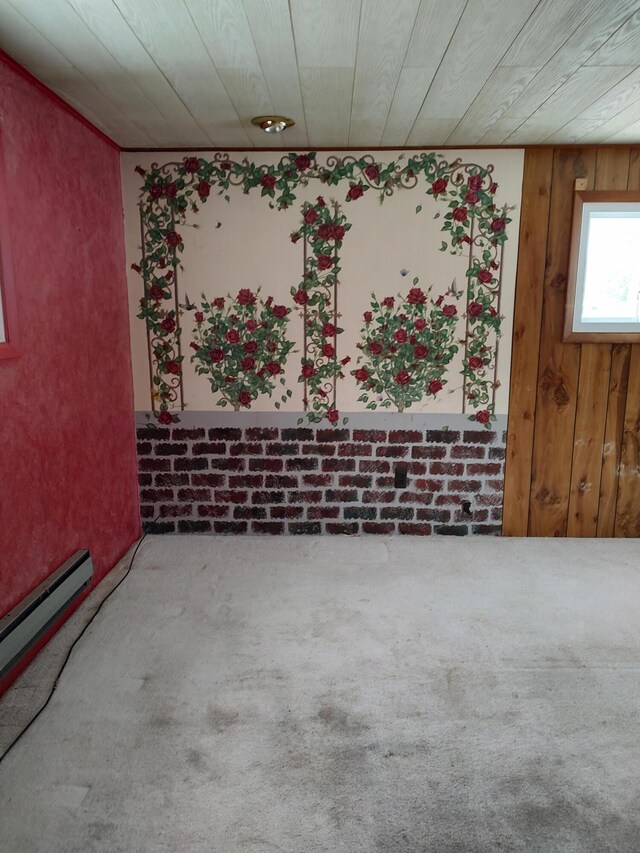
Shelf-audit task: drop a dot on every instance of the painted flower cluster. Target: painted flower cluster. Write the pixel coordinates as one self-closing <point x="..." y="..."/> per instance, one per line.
<point x="406" y="345"/>
<point x="241" y="346"/>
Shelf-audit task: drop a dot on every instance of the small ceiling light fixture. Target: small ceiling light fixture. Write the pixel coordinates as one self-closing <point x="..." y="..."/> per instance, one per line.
<point x="272" y="124"/>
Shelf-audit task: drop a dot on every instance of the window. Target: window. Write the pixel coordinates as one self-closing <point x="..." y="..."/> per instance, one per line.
<point x="603" y="294"/>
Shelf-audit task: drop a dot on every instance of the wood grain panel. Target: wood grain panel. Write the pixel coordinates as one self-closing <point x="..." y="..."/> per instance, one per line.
<point x="413" y="85"/>
<point x="628" y="504"/>
<point x="559" y="363"/>
<point x="612" y="447"/>
<point x="538" y="168"/>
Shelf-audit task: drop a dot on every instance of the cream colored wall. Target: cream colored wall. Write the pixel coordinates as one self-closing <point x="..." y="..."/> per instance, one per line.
<point x="251" y="248"/>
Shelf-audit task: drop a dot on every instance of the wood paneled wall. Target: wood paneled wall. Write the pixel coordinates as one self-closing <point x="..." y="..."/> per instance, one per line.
<point x="573" y="449"/>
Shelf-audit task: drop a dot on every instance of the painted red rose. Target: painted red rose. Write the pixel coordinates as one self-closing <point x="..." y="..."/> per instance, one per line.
<point x="345" y="360"/>
<point x="194" y="346"/>
<point x="402" y="378"/>
<point x="338" y="233"/>
<point x="416" y="296"/>
<point x="332" y="416"/>
<point x="308" y="371"/>
<point x="475" y="362"/>
<point x="420" y="324"/>
<point x="372" y="172"/>
<point x="155" y="191"/>
<point x="434" y="386"/>
<point x="472" y="197"/>
<point x="274" y="368"/>
<point x="233" y="336"/>
<point x="474" y="309"/>
<point x="279" y="311"/>
<point x="439" y="186"/>
<point x="361" y="374"/>
<point x="368" y="316"/>
<point x="250" y="346"/>
<point x="325" y="231"/>
<point x="268" y="181"/>
<point x="171" y="189"/>
<point x="229" y="379"/>
<point x="475" y="182"/>
<point x="400" y="336"/>
<point x="302" y="161"/>
<point x="226" y="166"/>
<point x="449" y="310"/>
<point x="295" y="237"/>
<point x="498" y="225"/>
<point x="272" y="346"/>
<point x="168" y="324"/>
<point x="169" y="275"/>
<point x="172" y="367"/>
<point x="301" y="297"/>
<point x="204" y="188"/>
<point x="320" y="202"/>
<point x="245" y="297"/>
<point x="216" y="355"/>
<point x="218" y="302"/>
<point x="156" y="292"/>
<point x="248" y="363"/>
<point x="251" y="325"/>
<point x="191" y="164"/>
<point x="165" y="418"/>
<point x="244" y="398"/>
<point x="460" y="214"/>
<point x="328" y="330"/>
<point x="485" y="276"/>
<point x="173" y="239"/>
<point x="388" y="302"/>
<point x="199" y="317"/>
<point x="355" y="191"/>
<point x="492" y="311"/>
<point x="375" y="348"/>
<point x="325" y="262"/>
<point x="310" y="216"/>
<point x="483" y="416"/>
<point x="420" y="351"/>
<point x="328" y="350"/>
<point x="493" y="188"/>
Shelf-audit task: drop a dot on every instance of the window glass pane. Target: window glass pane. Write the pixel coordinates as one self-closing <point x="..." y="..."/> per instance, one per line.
<point x="612" y="274"/>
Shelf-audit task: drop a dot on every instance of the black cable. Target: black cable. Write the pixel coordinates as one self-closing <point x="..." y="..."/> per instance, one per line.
<point x="73" y="645"/>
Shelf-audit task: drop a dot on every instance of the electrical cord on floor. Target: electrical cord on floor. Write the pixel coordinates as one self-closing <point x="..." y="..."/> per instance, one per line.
<point x="73" y="645"/>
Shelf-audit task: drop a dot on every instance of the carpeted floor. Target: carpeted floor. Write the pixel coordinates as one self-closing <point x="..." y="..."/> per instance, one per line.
<point x="325" y="695"/>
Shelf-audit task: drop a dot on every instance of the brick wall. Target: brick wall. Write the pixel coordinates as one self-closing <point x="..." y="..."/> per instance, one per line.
<point x="312" y="480"/>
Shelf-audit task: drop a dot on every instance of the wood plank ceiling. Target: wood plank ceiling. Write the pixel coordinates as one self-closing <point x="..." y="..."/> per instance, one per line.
<point x="358" y="73"/>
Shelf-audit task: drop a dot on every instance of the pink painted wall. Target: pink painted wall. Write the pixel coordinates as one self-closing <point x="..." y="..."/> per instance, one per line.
<point x="67" y="447"/>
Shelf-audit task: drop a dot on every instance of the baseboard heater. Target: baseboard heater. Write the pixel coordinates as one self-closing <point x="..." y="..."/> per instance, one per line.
<point x="29" y="620"/>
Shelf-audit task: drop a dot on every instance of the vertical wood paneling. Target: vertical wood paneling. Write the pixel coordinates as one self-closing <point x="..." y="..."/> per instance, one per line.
<point x="573" y="451"/>
<point x="534" y="221"/>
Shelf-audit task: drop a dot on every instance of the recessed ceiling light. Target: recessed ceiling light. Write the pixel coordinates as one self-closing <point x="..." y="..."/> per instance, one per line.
<point x="272" y="124"/>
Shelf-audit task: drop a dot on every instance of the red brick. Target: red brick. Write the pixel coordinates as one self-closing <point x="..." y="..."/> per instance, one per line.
<point x="474" y="436"/>
<point x="261" y="433"/>
<point x="447" y="500"/>
<point x="378" y="497"/>
<point x="386" y="482"/>
<point x="323" y="512"/>
<point x="402" y="512"/>
<point x="147" y="511"/>
<point x="488" y="468"/>
<point x="392" y="452"/>
<point x="188" y="526"/>
<point x="443" y="436"/>
<point x="158" y="527"/>
<point x="416" y="497"/>
<point x="317" y="479"/>
<point x="347" y="527"/>
<point x="174" y="510"/>
<point x="487" y="529"/>
<point x="213" y="511"/>
<point x="300" y="464"/>
<point x="375" y="465"/>
<point x="146" y="479"/>
<point x="249" y="512"/>
<point x="342" y="495"/>
<point x="461" y="451"/>
<point x="497" y="453"/>
<point x="496" y="513"/>
<point x="358" y="481"/>
<point x="279" y="448"/>
<point x="455" y="469"/>
<point x="428" y="485"/>
<point x="230" y="526"/>
<point x="436" y="451"/>
<point x="305" y="528"/>
<point x="170" y="448"/>
<point x="417" y="468"/>
<point x="267" y="498"/>
<point x="245" y="448"/>
<point x="212" y="480"/>
<point x="246" y="481"/>
<point x="220" y="464"/>
<point x="180" y="433"/>
<point x="338" y="464"/>
<point x="354" y="450"/>
<point x="230" y="496"/>
<point x="190" y="464"/>
<point x="399" y="436"/>
<point x="225" y="434"/>
<point x="464" y="485"/>
<point x="489" y="500"/>
<point x="155" y="464"/>
<point x="172" y="479"/>
<point x="271" y="527"/>
<point x="311" y="497"/>
<point x="281" y="481"/>
<point x="377" y="527"/>
<point x="430" y="514"/>
<point x="287" y="511"/>
<point x="217" y="448"/>
<point x="319" y="449"/>
<point x="143" y="448"/>
<point x="451" y="530"/>
<point x="374" y="435"/>
<point x="194" y="494"/>
<point x="297" y="434"/>
<point x="409" y="529"/>
<point x="332" y="435"/>
<point x="152" y="431"/>
<point x="155" y="495"/>
<point x="495" y="485"/>
<point x="272" y="465"/>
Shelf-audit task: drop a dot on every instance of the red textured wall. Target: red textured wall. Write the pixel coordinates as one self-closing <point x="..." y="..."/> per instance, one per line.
<point x="67" y="447"/>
